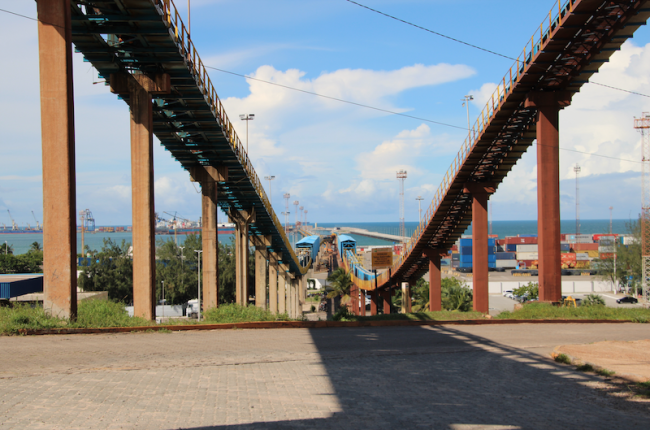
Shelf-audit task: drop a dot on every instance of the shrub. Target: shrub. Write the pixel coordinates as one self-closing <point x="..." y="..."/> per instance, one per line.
<point x="593" y="300"/>
<point x="605" y="372"/>
<point x="232" y="313"/>
<point x="563" y="358"/>
<point x="585" y="368"/>
<point x="343" y="314"/>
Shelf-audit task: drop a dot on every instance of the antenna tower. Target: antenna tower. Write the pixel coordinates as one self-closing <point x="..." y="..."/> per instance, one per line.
<point x="643" y="124"/>
<point x="296" y="203"/>
<point x="286" y="211"/>
<point x="577" y="170"/>
<point x="401" y="176"/>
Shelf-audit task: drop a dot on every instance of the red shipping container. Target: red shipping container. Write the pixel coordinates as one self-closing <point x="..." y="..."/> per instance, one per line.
<point x="493" y="236"/>
<point x="454" y="248"/>
<point x="563" y="237"/>
<point x="520" y="241"/>
<point x="585" y="247"/>
<point x="567" y="257"/>
<point x="598" y="236"/>
<point x="527" y="263"/>
<point x="606" y="255"/>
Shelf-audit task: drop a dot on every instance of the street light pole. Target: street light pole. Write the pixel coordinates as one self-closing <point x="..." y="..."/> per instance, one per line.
<point x="419" y="199"/>
<point x="247" y="117"/>
<point x="198" y="295"/>
<point x="466" y="101"/>
<point x="270" y="178"/>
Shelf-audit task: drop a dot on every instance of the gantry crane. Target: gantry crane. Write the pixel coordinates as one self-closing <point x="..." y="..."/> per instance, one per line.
<point x="14" y="226"/>
<point x="38" y="226"/>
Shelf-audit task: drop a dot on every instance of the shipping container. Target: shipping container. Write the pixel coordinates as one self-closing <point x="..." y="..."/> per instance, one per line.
<point x="455" y="257"/>
<point x="593" y="254"/>
<point x="508" y="264"/>
<point x="520" y="240"/>
<point x="465" y="250"/>
<point x="527" y="264"/>
<point x="511" y="247"/>
<point x="506" y="255"/>
<point x="629" y="240"/>
<point x="600" y="237"/>
<point x="582" y="264"/>
<point x="455" y="263"/>
<point x="465" y="242"/>
<point x="526" y="235"/>
<point x="585" y="247"/>
<point x="462" y="265"/>
<point x="565" y="247"/>
<point x="464" y="258"/>
<point x="582" y="256"/>
<point x="606" y="256"/>
<point x="527" y="256"/>
<point x="527" y="248"/>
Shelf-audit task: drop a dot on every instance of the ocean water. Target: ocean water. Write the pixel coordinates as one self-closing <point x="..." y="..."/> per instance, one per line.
<point x="22" y="242"/>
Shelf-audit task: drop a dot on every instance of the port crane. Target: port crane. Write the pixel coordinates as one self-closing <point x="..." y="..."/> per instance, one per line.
<point x="38" y="226"/>
<point x="14" y="226"/>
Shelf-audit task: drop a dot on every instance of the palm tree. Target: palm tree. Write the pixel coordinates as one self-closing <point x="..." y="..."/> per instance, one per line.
<point x="340" y="283"/>
<point x="6" y="249"/>
<point x="35" y="246"/>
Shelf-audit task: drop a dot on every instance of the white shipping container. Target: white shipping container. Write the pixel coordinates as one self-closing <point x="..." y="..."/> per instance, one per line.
<point x="582" y="256"/>
<point x="527" y="255"/>
<point x="527" y="248"/>
<point x="606" y="249"/>
<point x="629" y="240"/>
<point x="507" y="264"/>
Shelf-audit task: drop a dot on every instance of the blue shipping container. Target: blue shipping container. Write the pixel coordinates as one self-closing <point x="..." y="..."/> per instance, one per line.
<point x="465" y="265"/>
<point x="466" y="242"/>
<point x="526" y="235"/>
<point x="492" y="258"/>
<point x="511" y="247"/>
<point x="466" y="258"/>
<point x="492" y="265"/>
<point x="506" y="255"/>
<point x="465" y="250"/>
<point x="565" y="247"/>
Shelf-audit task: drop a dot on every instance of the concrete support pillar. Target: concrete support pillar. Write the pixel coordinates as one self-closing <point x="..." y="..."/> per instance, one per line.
<point x="480" y="275"/>
<point x="362" y="302"/>
<point x="140" y="88"/>
<point x="293" y="298"/>
<point x="209" y="177"/>
<point x="260" y="276"/>
<point x="273" y="286"/>
<point x="435" y="279"/>
<point x="282" y="292"/>
<point x="548" y="106"/>
<point x="354" y="300"/>
<point x="406" y="298"/>
<point x="242" y="220"/>
<point x="57" y="133"/>
<point x="386" y="295"/>
<point x="374" y="302"/>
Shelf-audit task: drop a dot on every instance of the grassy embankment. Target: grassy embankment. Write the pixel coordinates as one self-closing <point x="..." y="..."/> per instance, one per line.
<point x="547" y="311"/>
<point x="102" y="313"/>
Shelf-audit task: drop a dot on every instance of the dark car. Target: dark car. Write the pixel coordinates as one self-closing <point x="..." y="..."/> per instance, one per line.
<point x="627" y="299"/>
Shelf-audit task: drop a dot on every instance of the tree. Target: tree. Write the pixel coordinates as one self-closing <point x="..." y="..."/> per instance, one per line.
<point x="176" y="271"/>
<point x="420" y="296"/>
<point x="593" y="300"/>
<point x="35" y="246"/>
<point x="339" y="283"/>
<point x="111" y="270"/>
<point x="6" y="249"/>
<point x="628" y="261"/>
<point x="530" y="291"/>
<point x="456" y="295"/>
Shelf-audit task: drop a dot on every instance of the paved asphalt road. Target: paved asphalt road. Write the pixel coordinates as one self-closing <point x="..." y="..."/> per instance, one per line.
<point x="449" y="377"/>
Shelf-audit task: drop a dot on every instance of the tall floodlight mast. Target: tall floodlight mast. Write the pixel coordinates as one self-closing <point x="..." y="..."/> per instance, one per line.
<point x="577" y="170"/>
<point x="286" y="211"/>
<point x="643" y="124"/>
<point x="401" y="176"/>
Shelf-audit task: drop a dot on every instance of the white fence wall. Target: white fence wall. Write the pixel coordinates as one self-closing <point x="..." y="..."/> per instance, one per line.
<point x="568" y="287"/>
<point x="170" y="311"/>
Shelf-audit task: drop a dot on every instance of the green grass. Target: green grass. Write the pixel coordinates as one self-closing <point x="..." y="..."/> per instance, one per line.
<point x="232" y="313"/>
<point x="585" y="368"/>
<point x="563" y="358"/>
<point x="418" y="316"/>
<point x="90" y="314"/>
<point x="605" y="372"/>
<point x="548" y="311"/>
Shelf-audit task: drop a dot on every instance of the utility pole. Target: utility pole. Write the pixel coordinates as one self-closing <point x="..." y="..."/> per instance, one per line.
<point x="643" y="124"/>
<point x="198" y="295"/>
<point x="577" y="170"/>
<point x="295" y="203"/>
<point x="247" y="117"/>
<point x="419" y="199"/>
<point x="286" y="211"/>
<point x="610" y="219"/>
<point x="306" y="216"/>
<point x="401" y="176"/>
<point x="301" y="208"/>
<point x="466" y="99"/>
<point x="270" y="178"/>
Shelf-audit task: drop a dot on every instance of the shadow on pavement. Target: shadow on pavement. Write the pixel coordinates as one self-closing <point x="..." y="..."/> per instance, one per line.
<point x="441" y="377"/>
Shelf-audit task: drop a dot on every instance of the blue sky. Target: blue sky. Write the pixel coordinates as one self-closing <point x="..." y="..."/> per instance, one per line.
<point x="338" y="160"/>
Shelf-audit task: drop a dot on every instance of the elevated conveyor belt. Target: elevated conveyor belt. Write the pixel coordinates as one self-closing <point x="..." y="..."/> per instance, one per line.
<point x="148" y="36"/>
<point x="575" y="39"/>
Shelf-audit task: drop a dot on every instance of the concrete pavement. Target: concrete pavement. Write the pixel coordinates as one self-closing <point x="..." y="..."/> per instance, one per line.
<point x="435" y="377"/>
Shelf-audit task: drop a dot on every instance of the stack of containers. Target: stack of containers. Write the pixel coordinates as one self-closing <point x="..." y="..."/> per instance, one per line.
<point x="465" y="253"/>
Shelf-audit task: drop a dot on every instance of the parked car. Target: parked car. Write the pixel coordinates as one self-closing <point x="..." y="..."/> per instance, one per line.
<point x="507" y="293"/>
<point x="367" y="301"/>
<point x="627" y="299"/>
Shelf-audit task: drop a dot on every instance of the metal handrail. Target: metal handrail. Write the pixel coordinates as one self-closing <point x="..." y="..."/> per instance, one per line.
<point x="503" y="90"/>
<point x="182" y="38"/>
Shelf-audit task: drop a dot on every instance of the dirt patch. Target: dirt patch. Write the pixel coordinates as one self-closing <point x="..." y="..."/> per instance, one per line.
<point x="629" y="360"/>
